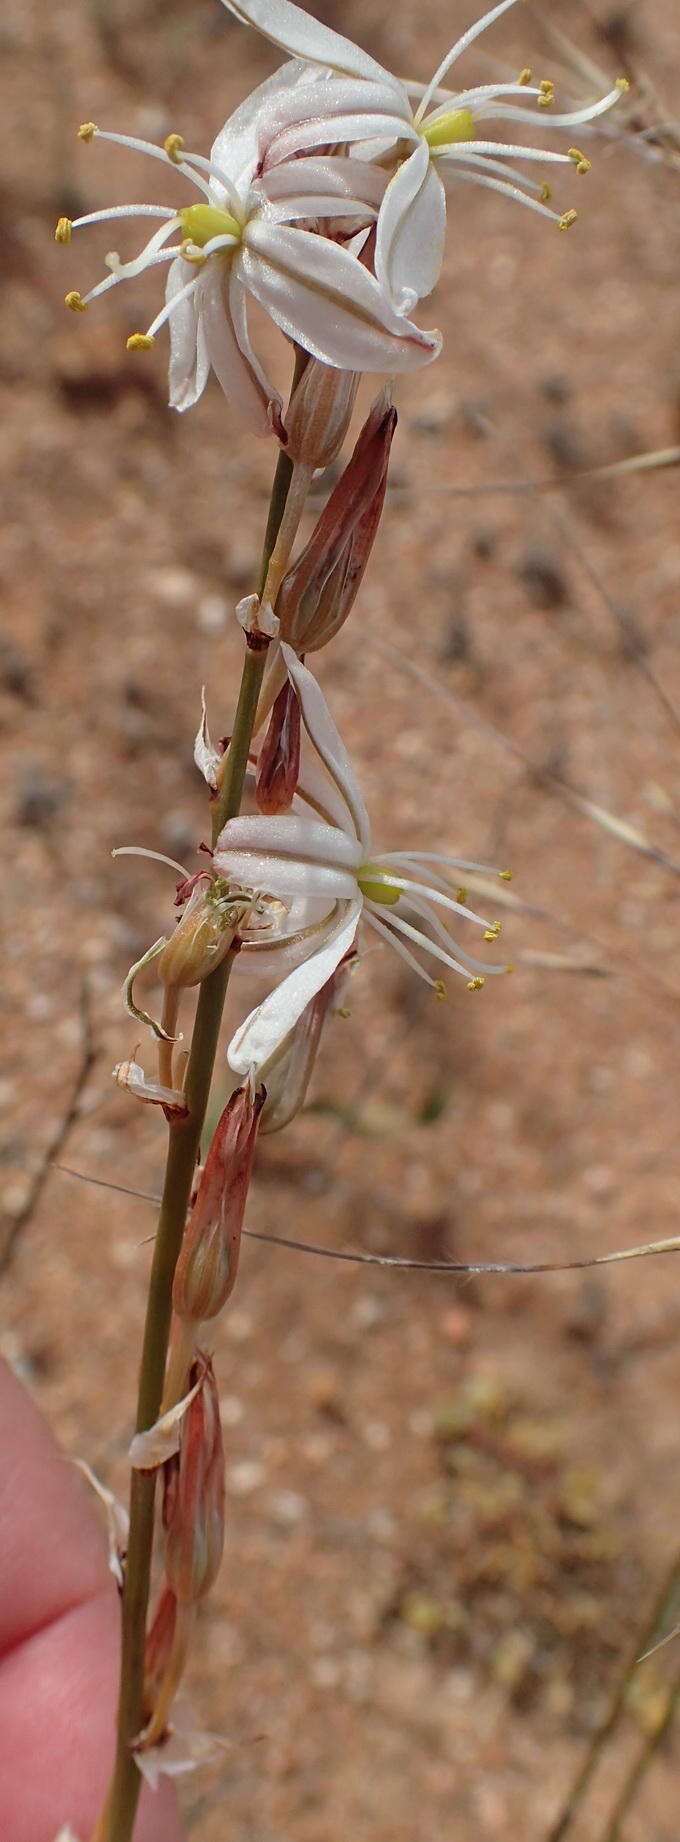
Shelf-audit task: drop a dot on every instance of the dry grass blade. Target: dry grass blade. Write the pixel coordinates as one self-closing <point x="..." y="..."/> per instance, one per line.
<point x="632" y="638"/>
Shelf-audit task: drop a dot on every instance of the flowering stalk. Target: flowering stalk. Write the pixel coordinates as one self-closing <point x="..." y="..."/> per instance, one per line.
<point x="117" y="1818"/>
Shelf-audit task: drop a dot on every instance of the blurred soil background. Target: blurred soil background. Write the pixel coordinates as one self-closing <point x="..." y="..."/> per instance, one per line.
<point x="449" y="1502"/>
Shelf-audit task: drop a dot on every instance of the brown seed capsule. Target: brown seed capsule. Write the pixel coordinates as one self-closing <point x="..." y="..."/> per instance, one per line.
<point x="205" y="1274"/>
<point x="278" y="763"/>
<point x="193" y="1494"/>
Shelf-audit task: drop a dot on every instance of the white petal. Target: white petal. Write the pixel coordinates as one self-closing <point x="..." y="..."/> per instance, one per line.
<point x="240" y="144"/>
<point x="240" y="383"/>
<point x="385" y="125"/>
<point x="287" y="876"/>
<point x="268" y="1025"/>
<point x="302" y="36"/>
<point x="287" y="835"/>
<point x="411" y="230"/>
<point x="238" y="306"/>
<point x="322" y="297"/>
<point x="117" y="1521"/>
<point x="329" y="745"/>
<point x="189" y="362"/>
<point x="334" y="175"/>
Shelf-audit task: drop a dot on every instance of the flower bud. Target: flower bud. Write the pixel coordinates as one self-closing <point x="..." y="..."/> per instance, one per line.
<point x="319" y="414"/>
<point x="278" y="763"/>
<point x="202" y="937"/>
<point x="193" y="1494"/>
<point x="288" y="1075"/>
<point x="308" y="611"/>
<point x="205" y="1274"/>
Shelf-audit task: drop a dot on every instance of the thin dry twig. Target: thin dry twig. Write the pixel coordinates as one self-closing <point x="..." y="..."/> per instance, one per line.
<point x="632" y="637"/>
<point x="59" y="1138"/>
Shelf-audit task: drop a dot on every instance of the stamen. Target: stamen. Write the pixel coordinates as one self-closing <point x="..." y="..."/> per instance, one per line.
<point x="475" y="984"/>
<point x="509" y="191"/>
<point x="86" y="131"/>
<point x="457" y="50"/>
<point x="113" y="211"/>
<point x="547" y="95"/>
<point x="147" y="147"/>
<point x="525" y="77"/>
<point x="140" y="850"/>
<point x="112" y="281"/>
<point x="63" y="230"/>
<point x="567" y="219"/>
<point x="169" y="308"/>
<point x="173" y="146"/>
<point x="139" y="342"/>
<point x="75" y="301"/>
<point x="579" y="159"/>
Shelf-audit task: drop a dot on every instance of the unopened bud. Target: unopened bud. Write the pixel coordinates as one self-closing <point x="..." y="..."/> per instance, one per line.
<point x="193" y="1494"/>
<point x="319" y="414"/>
<point x="359" y="494"/>
<point x="288" y="1075"/>
<point x="202" y="937"/>
<point x="278" y="763"/>
<point x="205" y="1274"/>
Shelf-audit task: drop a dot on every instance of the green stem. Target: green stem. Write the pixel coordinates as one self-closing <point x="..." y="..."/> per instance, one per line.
<point x="117" y="1818"/>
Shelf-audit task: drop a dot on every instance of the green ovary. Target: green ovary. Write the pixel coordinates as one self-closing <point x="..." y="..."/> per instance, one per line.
<point x="201" y="223"/>
<point x="375" y="886"/>
<point x="456" y="125"/>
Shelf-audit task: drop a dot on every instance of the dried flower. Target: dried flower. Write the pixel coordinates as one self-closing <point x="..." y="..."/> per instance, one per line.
<point x="193" y="1494"/>
<point x="278" y="762"/>
<point x="323" y="852"/>
<point x="319" y="413"/>
<point x="205" y="1274"/>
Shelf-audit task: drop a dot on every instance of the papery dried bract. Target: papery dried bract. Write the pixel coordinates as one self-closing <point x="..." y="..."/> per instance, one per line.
<point x="193" y="1497"/>
<point x="205" y="1274"/>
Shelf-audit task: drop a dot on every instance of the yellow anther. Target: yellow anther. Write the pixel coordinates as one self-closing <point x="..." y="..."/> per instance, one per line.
<point x="440" y="990"/>
<point x="568" y="218"/>
<point x="475" y="984"/>
<point x="546" y="193"/>
<point x="510" y="968"/>
<point x="344" y="1011"/>
<point x="492" y="932"/>
<point x="63" y="230"/>
<point x="547" y="96"/>
<point x="461" y="895"/>
<point x="174" y="147"/>
<point x="623" y="85"/>
<point x="579" y="159"/>
<point x="525" y="76"/>
<point x="140" y="342"/>
<point x="75" y="301"/>
<point x="86" y="131"/>
<point x="506" y="875"/>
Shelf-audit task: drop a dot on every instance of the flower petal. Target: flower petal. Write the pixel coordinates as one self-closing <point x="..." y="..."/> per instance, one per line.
<point x="269" y="1024"/>
<point x="242" y="381"/>
<point x="335" y="175"/>
<point x="239" y="147"/>
<point x="287" y="835"/>
<point x="329" y="745"/>
<point x="302" y="36"/>
<point x="357" y="125"/>
<point x="323" y="298"/>
<point x="411" y="229"/>
<point x="189" y="362"/>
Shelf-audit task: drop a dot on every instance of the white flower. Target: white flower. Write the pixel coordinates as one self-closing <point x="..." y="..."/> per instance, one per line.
<point x="349" y="99"/>
<point x="244" y="238"/>
<point x="321" y="855"/>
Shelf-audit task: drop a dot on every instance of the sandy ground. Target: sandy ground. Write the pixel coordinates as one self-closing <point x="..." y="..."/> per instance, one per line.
<point x="448" y="1501"/>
